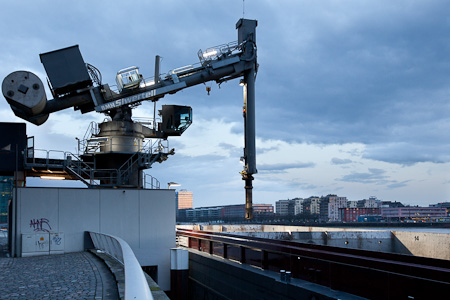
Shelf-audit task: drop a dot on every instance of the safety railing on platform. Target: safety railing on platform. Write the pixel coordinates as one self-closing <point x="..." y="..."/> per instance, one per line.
<point x="91" y="176"/>
<point x="136" y="286"/>
<point x="45" y="158"/>
<point x="151" y="182"/>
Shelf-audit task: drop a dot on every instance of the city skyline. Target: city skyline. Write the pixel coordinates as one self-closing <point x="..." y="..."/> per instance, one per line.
<point x="370" y="198"/>
<point x="351" y="97"/>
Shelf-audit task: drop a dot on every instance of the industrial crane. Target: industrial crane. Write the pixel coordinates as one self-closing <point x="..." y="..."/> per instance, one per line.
<point x="114" y="154"/>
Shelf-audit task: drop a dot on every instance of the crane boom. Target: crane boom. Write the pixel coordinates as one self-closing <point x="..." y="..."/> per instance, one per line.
<point x="215" y="71"/>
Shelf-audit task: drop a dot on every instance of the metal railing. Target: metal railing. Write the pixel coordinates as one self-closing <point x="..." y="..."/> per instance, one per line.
<point x="151" y="182"/>
<point x="136" y="286"/>
<point x="110" y="144"/>
<point x="216" y="52"/>
<point x="426" y="278"/>
<point x="92" y="176"/>
<point x="91" y="131"/>
<point x="45" y="158"/>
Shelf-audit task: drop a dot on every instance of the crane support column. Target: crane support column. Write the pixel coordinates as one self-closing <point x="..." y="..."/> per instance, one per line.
<point x="250" y="147"/>
<point x="247" y="33"/>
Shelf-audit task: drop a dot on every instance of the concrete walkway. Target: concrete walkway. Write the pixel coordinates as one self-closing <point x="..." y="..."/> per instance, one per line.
<point x="79" y="275"/>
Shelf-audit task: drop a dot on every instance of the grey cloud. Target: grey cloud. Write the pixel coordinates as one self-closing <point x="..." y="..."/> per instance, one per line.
<point x="381" y="79"/>
<point x="261" y="150"/>
<point x="283" y="167"/>
<point x="339" y="161"/>
<point x="227" y="146"/>
<point x="396" y="185"/>
<point x="263" y="171"/>
<point x="233" y="150"/>
<point x="373" y="176"/>
<point x="408" y="153"/>
<point x="297" y="184"/>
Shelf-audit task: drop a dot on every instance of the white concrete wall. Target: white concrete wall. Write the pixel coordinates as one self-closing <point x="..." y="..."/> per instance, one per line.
<point x="418" y="243"/>
<point x="427" y="244"/>
<point x="145" y="219"/>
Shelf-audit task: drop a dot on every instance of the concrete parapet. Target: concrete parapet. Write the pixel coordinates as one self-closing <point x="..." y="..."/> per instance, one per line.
<point x="426" y="244"/>
<point x="418" y="243"/>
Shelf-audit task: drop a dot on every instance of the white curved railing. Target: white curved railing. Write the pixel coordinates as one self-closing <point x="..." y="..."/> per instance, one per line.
<point x="136" y="286"/>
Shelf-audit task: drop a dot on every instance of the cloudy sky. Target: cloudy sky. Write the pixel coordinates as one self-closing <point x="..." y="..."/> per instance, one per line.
<point x="353" y="97"/>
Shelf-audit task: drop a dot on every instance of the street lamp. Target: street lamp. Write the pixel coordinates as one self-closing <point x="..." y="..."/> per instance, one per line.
<point x="169" y="184"/>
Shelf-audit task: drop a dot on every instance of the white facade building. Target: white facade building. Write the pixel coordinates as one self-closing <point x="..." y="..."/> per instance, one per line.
<point x="352" y="204"/>
<point x="298" y="206"/>
<point x="333" y="207"/>
<point x="372" y="202"/>
<point x="315" y="205"/>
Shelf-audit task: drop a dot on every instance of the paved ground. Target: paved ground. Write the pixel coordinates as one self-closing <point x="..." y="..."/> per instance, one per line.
<point x="79" y="275"/>
<point x="3" y="244"/>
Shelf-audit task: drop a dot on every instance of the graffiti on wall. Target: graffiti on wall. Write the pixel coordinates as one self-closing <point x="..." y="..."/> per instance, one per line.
<point x="57" y="240"/>
<point x="40" y="225"/>
<point x="42" y="244"/>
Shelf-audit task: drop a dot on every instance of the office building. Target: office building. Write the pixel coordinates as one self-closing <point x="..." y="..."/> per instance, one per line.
<point x="354" y="214"/>
<point x="184" y="199"/>
<point x="290" y="207"/>
<point x="445" y="205"/>
<point x="391" y="204"/>
<point x="282" y="207"/>
<point x="323" y="214"/>
<point x="225" y="212"/>
<point x="413" y="213"/>
<point x="372" y="202"/>
<point x="315" y="205"/>
<point x="238" y="211"/>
